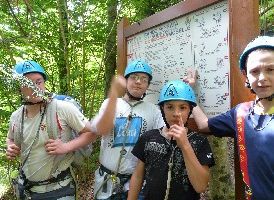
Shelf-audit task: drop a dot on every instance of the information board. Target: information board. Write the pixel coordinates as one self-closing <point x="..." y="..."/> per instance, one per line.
<point x="198" y="40"/>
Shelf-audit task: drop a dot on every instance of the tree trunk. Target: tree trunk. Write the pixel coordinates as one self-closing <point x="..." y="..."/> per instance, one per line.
<point x="63" y="64"/>
<point x="110" y="47"/>
<point x="222" y="174"/>
<point x="83" y="63"/>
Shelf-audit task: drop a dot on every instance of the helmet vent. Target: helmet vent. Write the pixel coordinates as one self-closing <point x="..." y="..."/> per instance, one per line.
<point x="171" y="91"/>
<point x="27" y="66"/>
<point x="139" y="66"/>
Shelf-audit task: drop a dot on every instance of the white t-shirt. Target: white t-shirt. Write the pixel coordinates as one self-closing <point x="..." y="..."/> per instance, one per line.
<point x="145" y="116"/>
<point x="40" y="165"/>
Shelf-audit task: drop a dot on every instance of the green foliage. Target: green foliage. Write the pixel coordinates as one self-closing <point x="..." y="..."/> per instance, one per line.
<point x="32" y="30"/>
<point x="267" y="17"/>
<point x="7" y="105"/>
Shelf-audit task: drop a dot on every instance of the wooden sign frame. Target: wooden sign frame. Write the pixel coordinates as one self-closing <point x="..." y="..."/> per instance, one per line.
<point x="243" y="26"/>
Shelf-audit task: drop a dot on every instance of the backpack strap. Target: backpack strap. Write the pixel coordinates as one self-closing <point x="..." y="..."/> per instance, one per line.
<point x="242" y="111"/>
<point x="17" y="126"/>
<point x="53" y="124"/>
<point x="54" y="131"/>
<point x="55" y="128"/>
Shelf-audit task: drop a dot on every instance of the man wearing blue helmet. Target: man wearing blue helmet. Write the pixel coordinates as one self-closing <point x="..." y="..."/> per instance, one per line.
<point x="173" y="160"/>
<point x="251" y="122"/>
<point x="45" y="167"/>
<point x="123" y="120"/>
<point x="31" y="68"/>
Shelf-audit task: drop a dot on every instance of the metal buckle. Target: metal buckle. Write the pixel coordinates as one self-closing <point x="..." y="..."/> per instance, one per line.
<point x="117" y="186"/>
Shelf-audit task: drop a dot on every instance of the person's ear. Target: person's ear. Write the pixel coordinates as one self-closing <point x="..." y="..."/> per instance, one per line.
<point x="244" y="72"/>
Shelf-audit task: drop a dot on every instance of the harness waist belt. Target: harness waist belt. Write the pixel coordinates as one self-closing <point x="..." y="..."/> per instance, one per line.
<point x="120" y="176"/>
<point x="56" y="179"/>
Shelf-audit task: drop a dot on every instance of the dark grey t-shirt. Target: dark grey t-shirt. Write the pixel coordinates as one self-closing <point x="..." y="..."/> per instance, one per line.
<point x="155" y="151"/>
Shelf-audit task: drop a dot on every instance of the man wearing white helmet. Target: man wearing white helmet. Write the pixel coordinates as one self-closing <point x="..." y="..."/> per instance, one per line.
<point x="45" y="163"/>
<point x="122" y="121"/>
<point x="251" y="123"/>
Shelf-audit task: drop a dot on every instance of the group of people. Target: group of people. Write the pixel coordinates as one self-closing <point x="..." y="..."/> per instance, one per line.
<point x="147" y="151"/>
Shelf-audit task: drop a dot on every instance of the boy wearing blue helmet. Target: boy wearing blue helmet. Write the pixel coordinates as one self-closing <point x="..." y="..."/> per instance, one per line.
<point x="45" y="163"/>
<point x="251" y="122"/>
<point x="173" y="160"/>
<point x="122" y="121"/>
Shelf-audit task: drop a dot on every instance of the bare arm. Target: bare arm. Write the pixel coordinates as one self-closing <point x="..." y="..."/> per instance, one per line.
<point x="105" y="124"/>
<point x="136" y="181"/>
<point x="200" y="119"/>
<point x="197" y="173"/>
<point x="198" y="114"/>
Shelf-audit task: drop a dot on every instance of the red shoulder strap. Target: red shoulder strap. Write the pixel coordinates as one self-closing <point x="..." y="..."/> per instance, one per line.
<point x="53" y="122"/>
<point x="58" y="122"/>
<point x="242" y="111"/>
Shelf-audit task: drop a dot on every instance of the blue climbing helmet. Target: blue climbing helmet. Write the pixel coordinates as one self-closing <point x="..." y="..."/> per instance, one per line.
<point x="138" y="66"/>
<point x="261" y="42"/>
<point x="29" y="66"/>
<point x="177" y="90"/>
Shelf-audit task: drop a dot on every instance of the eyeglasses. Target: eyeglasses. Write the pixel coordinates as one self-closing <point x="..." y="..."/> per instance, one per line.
<point x="142" y="79"/>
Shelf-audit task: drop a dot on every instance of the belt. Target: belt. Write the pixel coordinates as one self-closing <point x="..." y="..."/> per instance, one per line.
<point x="59" y="177"/>
<point x="122" y="177"/>
<point x="102" y="168"/>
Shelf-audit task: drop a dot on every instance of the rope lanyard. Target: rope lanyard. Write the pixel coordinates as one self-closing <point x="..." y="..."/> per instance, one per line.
<point x="125" y="132"/>
<point x="171" y="161"/>
<point x="242" y="111"/>
<point x="36" y="136"/>
<point x="170" y="165"/>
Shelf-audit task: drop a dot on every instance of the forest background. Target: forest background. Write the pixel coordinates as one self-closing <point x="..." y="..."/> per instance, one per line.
<point x="75" y="41"/>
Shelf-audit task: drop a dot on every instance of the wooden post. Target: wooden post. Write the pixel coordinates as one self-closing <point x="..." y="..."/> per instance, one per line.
<point x="244" y="26"/>
<point x="121" y="46"/>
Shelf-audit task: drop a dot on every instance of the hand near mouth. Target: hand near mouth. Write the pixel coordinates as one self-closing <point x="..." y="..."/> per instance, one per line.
<point x="179" y="133"/>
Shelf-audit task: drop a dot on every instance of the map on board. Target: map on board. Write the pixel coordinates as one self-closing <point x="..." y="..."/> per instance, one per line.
<point x="198" y="40"/>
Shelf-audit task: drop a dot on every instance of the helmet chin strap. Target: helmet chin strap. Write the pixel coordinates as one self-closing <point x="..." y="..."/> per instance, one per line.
<point x="247" y="84"/>
<point x="26" y="102"/>
<point x="164" y="117"/>
<point x="131" y="97"/>
<point x="172" y="141"/>
<point x="269" y="98"/>
<point x="31" y="103"/>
